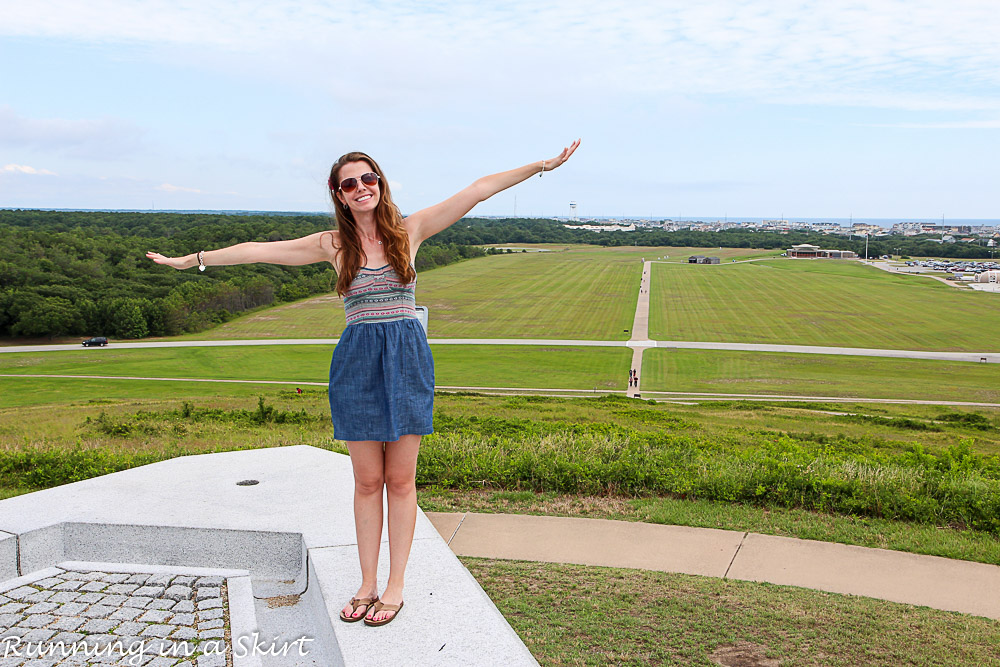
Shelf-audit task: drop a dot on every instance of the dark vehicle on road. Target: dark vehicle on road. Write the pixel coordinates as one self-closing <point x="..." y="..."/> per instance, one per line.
<point x="96" y="340"/>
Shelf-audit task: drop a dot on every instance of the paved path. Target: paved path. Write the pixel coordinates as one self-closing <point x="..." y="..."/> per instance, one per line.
<point x="673" y="396"/>
<point x="640" y="326"/>
<point x="990" y="357"/>
<point x="942" y="583"/>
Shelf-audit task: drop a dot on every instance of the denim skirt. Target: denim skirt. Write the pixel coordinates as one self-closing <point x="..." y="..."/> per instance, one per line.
<point x="382" y="382"/>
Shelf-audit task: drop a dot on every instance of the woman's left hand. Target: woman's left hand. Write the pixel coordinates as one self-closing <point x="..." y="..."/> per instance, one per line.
<point x="561" y="158"/>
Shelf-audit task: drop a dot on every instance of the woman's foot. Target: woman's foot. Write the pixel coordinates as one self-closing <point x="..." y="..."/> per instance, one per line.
<point x="362" y="603"/>
<point x="391" y="597"/>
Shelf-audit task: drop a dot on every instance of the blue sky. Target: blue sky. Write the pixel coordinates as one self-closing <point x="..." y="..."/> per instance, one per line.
<point x="746" y="108"/>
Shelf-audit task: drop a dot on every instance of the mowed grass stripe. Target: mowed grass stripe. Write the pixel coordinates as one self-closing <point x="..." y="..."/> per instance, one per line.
<point x="560" y="294"/>
<point x="566" y="294"/>
<point x="316" y="317"/>
<point x="45" y="394"/>
<point x="818" y="375"/>
<point x="803" y="302"/>
<point x="578" y="292"/>
<point x="455" y="365"/>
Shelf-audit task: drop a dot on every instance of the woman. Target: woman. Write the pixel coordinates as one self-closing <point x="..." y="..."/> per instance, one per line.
<point x="381" y="374"/>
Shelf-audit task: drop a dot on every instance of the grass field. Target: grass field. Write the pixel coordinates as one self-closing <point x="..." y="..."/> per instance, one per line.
<point x="718" y="371"/>
<point x="574" y="292"/>
<point x="844" y="304"/>
<point x="577" y="615"/>
<point x="593" y="368"/>
<point x="455" y="365"/>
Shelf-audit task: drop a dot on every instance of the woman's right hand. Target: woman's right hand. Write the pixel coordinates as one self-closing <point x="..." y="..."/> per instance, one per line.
<point x="176" y="262"/>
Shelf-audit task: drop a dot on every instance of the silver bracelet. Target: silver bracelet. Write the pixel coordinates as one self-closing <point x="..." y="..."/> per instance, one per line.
<point x="543" y="169"/>
<point x="201" y="260"/>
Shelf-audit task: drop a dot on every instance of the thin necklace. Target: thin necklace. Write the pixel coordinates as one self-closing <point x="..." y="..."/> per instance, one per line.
<point x="373" y="240"/>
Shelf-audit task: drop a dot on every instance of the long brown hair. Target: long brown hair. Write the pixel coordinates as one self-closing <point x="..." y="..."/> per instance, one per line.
<point x="388" y="225"/>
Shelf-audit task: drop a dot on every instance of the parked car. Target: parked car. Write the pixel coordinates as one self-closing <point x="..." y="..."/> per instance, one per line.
<point x="96" y="340"/>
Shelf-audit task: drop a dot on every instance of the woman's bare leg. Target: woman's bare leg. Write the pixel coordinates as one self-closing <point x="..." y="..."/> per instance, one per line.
<point x="401" y="491"/>
<point x="368" y="463"/>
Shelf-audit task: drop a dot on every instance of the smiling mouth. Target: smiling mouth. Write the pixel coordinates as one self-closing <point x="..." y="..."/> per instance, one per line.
<point x="363" y="198"/>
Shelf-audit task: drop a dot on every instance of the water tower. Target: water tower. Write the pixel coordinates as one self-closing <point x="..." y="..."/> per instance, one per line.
<point x="572" y="211"/>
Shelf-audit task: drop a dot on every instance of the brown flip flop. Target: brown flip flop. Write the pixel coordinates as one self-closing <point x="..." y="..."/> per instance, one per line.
<point x="355" y="603"/>
<point x="379" y="606"/>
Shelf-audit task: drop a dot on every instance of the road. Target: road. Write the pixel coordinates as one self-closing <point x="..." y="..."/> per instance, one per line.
<point x="635" y="342"/>
<point x="665" y="396"/>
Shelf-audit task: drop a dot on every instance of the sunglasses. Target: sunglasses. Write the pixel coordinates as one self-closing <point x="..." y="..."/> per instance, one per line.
<point x="351" y="184"/>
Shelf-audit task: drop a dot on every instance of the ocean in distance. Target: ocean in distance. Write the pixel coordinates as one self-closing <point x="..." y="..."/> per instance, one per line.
<point x="882" y="222"/>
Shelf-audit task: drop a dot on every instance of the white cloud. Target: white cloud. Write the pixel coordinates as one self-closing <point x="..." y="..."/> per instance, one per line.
<point x="167" y="187"/>
<point x="25" y="169"/>
<point x="100" y="139"/>
<point x="945" y="125"/>
<point x="891" y="53"/>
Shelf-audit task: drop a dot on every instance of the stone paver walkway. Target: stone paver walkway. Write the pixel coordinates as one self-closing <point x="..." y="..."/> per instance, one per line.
<point x="73" y="617"/>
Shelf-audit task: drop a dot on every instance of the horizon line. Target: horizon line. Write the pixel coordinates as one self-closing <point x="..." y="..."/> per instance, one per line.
<point x="935" y="220"/>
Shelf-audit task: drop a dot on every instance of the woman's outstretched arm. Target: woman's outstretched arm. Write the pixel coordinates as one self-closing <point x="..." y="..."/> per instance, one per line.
<point x="306" y="250"/>
<point x="429" y="221"/>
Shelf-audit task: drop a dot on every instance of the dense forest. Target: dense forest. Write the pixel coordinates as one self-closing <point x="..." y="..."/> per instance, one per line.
<point x="85" y="273"/>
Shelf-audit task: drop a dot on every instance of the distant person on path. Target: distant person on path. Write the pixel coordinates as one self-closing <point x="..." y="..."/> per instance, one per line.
<point x="381" y="373"/>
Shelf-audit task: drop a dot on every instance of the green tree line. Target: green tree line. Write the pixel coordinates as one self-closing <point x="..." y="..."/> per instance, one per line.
<point x="477" y="231"/>
<point x="85" y="273"/>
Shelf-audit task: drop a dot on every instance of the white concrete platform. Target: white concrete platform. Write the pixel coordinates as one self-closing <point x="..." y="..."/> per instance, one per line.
<point x="293" y="532"/>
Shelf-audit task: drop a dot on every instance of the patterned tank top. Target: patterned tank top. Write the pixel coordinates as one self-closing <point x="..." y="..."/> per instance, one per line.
<point x="377" y="295"/>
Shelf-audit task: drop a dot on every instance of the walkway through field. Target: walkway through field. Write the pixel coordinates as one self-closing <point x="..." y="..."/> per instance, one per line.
<point x="640" y="328"/>
<point x="668" y="396"/>
<point x="984" y="357"/>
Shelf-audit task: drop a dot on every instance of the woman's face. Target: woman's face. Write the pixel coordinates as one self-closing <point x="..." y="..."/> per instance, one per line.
<point x="364" y="198"/>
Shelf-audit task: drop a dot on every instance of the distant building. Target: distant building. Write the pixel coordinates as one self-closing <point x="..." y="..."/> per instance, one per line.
<point x="701" y="259"/>
<point x="803" y="250"/>
<point x="988" y="277"/>
<point x="807" y="251"/>
<point x="839" y="254"/>
<point x="603" y="228"/>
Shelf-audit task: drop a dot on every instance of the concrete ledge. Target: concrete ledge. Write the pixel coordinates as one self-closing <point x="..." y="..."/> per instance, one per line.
<point x="242" y="621"/>
<point x="25" y="579"/>
<point x="292" y="533"/>
<point x="8" y="556"/>
<point x="447" y="618"/>
<point x="269" y="556"/>
<point x="149" y="569"/>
